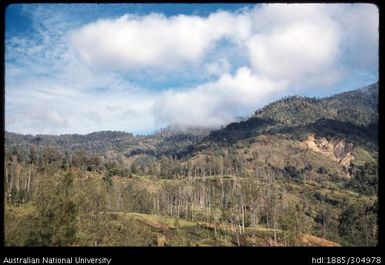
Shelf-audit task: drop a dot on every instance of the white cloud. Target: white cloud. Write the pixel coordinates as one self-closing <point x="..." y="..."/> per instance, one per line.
<point x="215" y="103"/>
<point x="154" y="40"/>
<point x="359" y="28"/>
<point x="293" y="51"/>
<point x="53" y="109"/>
<point x="312" y="44"/>
<point x="296" y="42"/>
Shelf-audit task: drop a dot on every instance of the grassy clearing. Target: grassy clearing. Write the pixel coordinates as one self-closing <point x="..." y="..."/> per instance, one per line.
<point x="161" y="221"/>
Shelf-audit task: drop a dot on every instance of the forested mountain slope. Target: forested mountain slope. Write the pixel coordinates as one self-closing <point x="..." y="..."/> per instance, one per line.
<point x="357" y="109"/>
<point x="300" y="171"/>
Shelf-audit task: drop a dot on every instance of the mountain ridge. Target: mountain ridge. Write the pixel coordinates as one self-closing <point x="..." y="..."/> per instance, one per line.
<point x="370" y="92"/>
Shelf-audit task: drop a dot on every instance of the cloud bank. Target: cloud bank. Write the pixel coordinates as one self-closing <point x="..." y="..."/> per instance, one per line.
<point x="119" y="73"/>
<point x="154" y="40"/>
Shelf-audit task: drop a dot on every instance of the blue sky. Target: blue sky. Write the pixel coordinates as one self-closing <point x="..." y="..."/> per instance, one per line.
<point x="79" y="68"/>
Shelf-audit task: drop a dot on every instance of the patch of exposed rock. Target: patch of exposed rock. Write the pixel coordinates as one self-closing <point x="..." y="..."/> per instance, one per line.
<point x="336" y="148"/>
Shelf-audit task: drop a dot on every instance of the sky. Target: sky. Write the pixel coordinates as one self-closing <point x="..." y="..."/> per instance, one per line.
<point x="81" y="68"/>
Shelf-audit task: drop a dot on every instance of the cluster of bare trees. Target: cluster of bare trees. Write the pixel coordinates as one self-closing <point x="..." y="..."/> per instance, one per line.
<point x="204" y="166"/>
<point x="18" y="179"/>
<point x="239" y="204"/>
<point x="212" y="190"/>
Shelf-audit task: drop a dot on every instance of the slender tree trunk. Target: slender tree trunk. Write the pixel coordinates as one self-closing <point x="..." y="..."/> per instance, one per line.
<point x="17" y="178"/>
<point x="366" y="231"/>
<point x="186" y="209"/>
<point x="275" y="230"/>
<point x="6" y="179"/>
<point x="243" y="219"/>
<point x="208" y="213"/>
<point x="29" y="178"/>
<point x="192" y="213"/>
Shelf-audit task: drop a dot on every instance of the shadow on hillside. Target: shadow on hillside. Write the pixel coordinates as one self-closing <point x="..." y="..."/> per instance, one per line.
<point x="235" y="132"/>
<point x="366" y="135"/>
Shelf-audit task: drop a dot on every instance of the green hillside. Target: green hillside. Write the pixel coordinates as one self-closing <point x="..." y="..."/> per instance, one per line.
<point x="300" y="171"/>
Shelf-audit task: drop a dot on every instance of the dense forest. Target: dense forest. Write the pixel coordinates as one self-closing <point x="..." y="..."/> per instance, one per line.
<point x="300" y="171"/>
